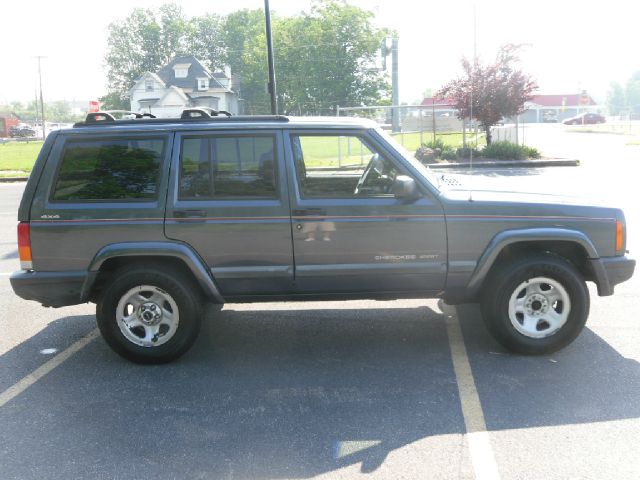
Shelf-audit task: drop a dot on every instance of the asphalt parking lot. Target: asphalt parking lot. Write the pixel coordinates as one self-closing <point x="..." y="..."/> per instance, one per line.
<point x="346" y="390"/>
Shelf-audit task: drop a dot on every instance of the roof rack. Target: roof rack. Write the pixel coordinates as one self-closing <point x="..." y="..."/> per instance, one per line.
<point x="199" y="114"/>
<point x="110" y="115"/>
<point x="202" y="112"/>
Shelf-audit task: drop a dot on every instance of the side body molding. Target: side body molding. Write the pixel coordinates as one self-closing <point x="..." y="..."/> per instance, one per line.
<point x="155" y="249"/>
<point x="509" y="237"/>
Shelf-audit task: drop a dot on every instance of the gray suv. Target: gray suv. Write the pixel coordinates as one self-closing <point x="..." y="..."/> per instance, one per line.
<point x="152" y="218"/>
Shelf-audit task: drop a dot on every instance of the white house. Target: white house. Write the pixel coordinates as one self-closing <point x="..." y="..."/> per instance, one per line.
<point x="183" y="83"/>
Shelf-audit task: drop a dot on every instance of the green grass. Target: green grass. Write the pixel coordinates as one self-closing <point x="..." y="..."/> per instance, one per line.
<point x="411" y="141"/>
<point x="19" y="155"/>
<point x="325" y="152"/>
<point x="334" y="152"/>
<point x="635" y="141"/>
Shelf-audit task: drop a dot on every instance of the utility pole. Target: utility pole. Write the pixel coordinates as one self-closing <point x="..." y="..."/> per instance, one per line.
<point x="272" y="71"/>
<point x="395" y="90"/>
<point x="39" y="57"/>
<point x="36" y="104"/>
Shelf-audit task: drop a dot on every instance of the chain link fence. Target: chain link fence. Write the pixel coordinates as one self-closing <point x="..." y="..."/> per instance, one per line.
<point x="420" y="125"/>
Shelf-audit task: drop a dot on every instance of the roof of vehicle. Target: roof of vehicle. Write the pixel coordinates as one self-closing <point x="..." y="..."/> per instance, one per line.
<point x="220" y="122"/>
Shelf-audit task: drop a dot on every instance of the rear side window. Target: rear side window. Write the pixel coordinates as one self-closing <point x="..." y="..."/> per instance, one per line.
<point x="228" y="167"/>
<point x="110" y="169"/>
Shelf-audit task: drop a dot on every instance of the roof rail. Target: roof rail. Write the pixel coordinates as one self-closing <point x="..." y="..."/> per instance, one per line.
<point x="202" y="112"/>
<point x="189" y="115"/>
<point x="110" y="115"/>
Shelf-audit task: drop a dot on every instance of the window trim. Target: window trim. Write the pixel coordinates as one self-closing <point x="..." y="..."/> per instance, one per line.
<point x="203" y="84"/>
<point x="69" y="141"/>
<point x="209" y="136"/>
<point x="340" y="133"/>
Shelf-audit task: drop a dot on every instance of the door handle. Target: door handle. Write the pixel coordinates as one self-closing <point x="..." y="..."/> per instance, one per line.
<point x="189" y="214"/>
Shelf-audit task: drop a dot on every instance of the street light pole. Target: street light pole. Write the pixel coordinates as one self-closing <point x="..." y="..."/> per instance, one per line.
<point x="272" y="71"/>
<point x="39" y="57"/>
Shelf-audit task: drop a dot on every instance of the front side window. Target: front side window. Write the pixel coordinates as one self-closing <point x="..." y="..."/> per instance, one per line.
<point x="228" y="167"/>
<point x="332" y="166"/>
<point x="118" y="169"/>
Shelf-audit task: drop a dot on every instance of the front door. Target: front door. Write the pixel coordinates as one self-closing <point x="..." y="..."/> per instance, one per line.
<point x="228" y="200"/>
<point x="350" y="233"/>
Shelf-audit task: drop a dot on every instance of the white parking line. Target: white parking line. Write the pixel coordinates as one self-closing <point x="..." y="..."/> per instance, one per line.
<point x="482" y="457"/>
<point x="19" y="387"/>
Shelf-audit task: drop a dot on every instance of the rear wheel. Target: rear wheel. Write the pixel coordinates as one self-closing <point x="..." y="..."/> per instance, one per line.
<point x="148" y="314"/>
<point x="537" y="305"/>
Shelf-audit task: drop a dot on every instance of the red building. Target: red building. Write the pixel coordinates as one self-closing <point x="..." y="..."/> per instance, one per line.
<point x="7" y="120"/>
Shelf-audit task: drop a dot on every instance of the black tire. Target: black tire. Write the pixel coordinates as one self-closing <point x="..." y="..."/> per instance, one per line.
<point x="504" y="282"/>
<point x="180" y="289"/>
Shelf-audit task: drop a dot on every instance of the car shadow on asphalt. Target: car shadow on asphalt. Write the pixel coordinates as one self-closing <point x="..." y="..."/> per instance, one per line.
<point x="263" y="394"/>
<point x="293" y="393"/>
<point x="587" y="381"/>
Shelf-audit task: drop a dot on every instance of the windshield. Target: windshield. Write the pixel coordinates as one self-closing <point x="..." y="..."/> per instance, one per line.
<point x="423" y="169"/>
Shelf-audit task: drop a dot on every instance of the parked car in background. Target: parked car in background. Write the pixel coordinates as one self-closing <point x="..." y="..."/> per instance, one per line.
<point x="585" y="119"/>
<point x="22" y="131"/>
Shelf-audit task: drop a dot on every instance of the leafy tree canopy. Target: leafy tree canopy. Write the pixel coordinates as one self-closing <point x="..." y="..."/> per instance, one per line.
<point x="490" y="92"/>
<point x="324" y="58"/>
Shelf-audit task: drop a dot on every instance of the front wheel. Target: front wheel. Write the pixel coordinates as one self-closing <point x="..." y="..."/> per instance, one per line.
<point x="536" y="305"/>
<point x="148" y="314"/>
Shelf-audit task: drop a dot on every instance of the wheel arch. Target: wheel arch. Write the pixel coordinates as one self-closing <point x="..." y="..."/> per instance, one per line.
<point x="572" y="245"/>
<point x="178" y="255"/>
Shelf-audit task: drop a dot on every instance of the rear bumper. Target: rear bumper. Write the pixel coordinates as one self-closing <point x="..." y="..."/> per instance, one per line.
<point x="610" y="271"/>
<point x="51" y="289"/>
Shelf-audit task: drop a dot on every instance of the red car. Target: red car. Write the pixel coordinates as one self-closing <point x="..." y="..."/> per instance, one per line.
<point x="585" y="119"/>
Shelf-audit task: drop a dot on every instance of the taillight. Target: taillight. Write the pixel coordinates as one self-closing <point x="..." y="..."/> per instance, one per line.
<point x="619" y="236"/>
<point x="24" y="246"/>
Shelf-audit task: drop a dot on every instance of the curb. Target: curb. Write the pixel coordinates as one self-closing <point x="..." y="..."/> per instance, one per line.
<point x="13" y="179"/>
<point x="558" y="162"/>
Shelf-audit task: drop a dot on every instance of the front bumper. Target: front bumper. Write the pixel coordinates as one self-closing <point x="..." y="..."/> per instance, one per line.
<point x="610" y="271"/>
<point x="51" y="289"/>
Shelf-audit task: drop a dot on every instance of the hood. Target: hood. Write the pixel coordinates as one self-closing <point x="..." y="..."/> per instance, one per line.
<point x="501" y="190"/>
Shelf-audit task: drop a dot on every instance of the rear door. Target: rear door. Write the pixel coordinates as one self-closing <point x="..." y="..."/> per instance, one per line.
<point x="228" y="200"/>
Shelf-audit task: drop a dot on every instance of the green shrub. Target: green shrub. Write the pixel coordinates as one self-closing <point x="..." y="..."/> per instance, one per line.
<point x="448" y="153"/>
<point x="466" y="153"/>
<point x="438" y="143"/>
<point x="509" y="151"/>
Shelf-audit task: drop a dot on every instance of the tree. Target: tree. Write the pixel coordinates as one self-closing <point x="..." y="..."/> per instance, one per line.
<point x="145" y="41"/>
<point x="114" y="101"/>
<point x="324" y="58"/>
<point x="498" y="89"/>
<point x="632" y="92"/>
<point x="205" y="40"/>
<point x="245" y="44"/>
<point x="615" y="98"/>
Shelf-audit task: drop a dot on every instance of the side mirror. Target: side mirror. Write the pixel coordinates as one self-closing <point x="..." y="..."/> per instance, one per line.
<point x="405" y="188"/>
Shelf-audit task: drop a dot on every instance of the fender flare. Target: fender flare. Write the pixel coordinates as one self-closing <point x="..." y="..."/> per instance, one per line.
<point x="180" y="251"/>
<point x="510" y="237"/>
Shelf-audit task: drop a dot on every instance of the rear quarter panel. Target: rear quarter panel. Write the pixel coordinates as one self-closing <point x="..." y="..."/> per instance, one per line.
<point x="67" y="235"/>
